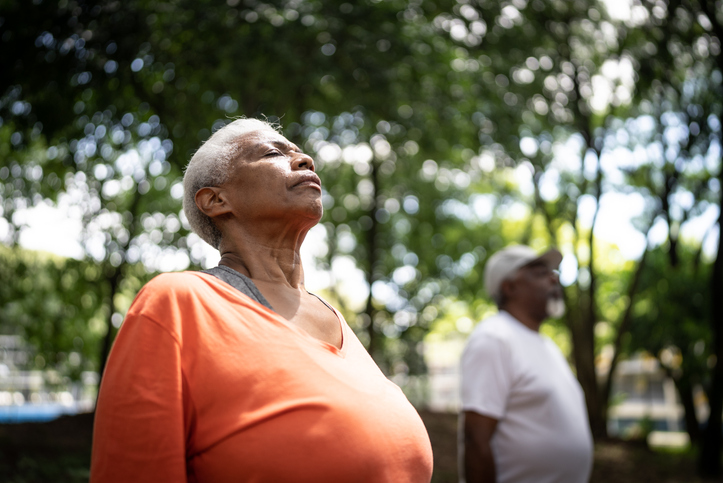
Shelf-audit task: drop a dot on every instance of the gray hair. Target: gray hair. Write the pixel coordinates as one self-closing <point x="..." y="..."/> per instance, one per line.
<point x="210" y="166"/>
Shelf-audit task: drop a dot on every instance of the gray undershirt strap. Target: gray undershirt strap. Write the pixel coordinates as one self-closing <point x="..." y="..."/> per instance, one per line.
<point x="246" y="286"/>
<point x="240" y="282"/>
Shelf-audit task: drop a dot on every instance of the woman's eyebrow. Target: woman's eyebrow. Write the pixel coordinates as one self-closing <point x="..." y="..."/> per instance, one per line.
<point x="287" y="145"/>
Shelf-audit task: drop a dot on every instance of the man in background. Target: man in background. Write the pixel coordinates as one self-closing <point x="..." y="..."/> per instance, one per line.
<point x="524" y="416"/>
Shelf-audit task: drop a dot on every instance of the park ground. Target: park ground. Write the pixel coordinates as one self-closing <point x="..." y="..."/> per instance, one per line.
<point x="59" y="452"/>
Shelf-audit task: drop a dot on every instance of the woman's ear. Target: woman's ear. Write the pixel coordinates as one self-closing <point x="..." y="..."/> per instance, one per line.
<point x="212" y="202"/>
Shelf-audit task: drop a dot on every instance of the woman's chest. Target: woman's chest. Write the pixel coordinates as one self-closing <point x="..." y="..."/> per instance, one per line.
<point x="273" y="403"/>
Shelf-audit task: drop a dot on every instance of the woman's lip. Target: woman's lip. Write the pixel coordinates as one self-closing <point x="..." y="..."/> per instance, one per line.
<point x="309" y="182"/>
<point x="308" y="178"/>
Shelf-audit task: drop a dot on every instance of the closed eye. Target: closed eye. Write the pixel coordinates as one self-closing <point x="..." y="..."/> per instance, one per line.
<point x="272" y="153"/>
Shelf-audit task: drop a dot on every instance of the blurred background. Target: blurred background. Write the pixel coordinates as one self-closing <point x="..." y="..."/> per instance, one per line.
<point x="443" y="130"/>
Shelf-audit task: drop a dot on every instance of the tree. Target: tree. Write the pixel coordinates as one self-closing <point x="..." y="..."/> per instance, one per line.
<point x="682" y="72"/>
<point x="136" y="87"/>
<point x="549" y="64"/>
<point x="56" y="305"/>
<point x="669" y="322"/>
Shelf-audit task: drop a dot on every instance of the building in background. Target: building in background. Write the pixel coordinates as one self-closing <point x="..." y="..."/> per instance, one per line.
<point x="33" y="395"/>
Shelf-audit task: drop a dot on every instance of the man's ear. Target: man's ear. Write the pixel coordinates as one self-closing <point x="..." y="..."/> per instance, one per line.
<point x="507" y="288"/>
<point x="212" y="201"/>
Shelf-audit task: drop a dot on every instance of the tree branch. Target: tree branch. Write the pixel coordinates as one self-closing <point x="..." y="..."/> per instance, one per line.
<point x="625" y="322"/>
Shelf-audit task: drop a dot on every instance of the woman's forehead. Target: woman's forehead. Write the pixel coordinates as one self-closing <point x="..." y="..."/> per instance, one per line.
<point x="261" y="138"/>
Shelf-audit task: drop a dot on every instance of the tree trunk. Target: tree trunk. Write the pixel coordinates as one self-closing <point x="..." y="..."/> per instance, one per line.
<point x="685" y="391"/>
<point x="113" y="282"/>
<point x="587" y="373"/>
<point x="371" y="240"/>
<point x="582" y="340"/>
<point x="710" y="454"/>
<point x="622" y="329"/>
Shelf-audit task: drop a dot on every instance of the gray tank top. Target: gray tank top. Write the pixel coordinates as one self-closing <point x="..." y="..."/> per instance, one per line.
<point x="245" y="285"/>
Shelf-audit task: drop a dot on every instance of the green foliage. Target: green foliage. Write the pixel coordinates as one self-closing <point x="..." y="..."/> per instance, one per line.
<point x="57" y="305"/>
<point x="54" y="305"/>
<point x="671" y="313"/>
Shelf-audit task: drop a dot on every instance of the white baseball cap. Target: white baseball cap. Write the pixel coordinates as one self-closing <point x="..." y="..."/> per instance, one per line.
<point x="505" y="262"/>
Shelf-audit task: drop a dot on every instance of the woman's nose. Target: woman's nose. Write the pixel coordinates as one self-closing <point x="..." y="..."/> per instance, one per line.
<point x="302" y="161"/>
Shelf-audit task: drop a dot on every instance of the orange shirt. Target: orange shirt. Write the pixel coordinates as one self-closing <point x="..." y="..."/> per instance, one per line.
<point x="206" y="385"/>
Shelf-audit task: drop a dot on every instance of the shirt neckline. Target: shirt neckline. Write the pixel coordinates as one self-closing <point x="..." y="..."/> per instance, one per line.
<point x="519" y="325"/>
<point x="341" y="351"/>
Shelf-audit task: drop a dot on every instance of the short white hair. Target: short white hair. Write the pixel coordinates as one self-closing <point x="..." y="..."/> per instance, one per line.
<point x="210" y="166"/>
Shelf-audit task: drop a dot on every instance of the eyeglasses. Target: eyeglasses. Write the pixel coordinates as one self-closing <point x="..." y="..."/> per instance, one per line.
<point x="542" y="271"/>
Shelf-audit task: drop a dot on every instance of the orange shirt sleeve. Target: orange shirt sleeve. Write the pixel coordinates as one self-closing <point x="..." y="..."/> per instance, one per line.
<point x="139" y="422"/>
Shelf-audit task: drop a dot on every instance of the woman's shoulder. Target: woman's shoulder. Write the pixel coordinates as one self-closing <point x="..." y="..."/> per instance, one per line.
<point x="175" y="280"/>
<point x="172" y="287"/>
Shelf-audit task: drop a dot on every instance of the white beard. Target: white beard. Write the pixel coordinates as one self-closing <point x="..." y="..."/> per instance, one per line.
<point x="555" y="307"/>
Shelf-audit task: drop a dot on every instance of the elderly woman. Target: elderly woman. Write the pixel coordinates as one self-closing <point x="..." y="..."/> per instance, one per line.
<point x="238" y="374"/>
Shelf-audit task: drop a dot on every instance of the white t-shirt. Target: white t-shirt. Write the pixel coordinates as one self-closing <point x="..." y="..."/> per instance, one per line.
<point x="519" y="377"/>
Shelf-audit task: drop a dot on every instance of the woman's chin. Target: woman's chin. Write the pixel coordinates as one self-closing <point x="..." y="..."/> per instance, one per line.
<point x="311" y="215"/>
<point x="316" y="212"/>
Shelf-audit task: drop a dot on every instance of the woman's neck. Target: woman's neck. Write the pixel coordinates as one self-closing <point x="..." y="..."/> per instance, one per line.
<point x="272" y="257"/>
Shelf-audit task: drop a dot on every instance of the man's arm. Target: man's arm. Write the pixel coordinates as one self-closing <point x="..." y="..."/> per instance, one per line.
<point x="479" y="463"/>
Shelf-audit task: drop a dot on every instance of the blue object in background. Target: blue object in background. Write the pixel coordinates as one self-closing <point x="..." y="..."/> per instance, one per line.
<point x="34" y="413"/>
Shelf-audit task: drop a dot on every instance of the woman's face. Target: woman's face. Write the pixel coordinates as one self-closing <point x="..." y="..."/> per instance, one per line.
<point x="273" y="179"/>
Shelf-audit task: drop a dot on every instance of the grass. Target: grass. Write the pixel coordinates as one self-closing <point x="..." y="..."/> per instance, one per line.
<point x="616" y="461"/>
<point x="57" y="451"/>
<point x="623" y="462"/>
<point x="42" y="467"/>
